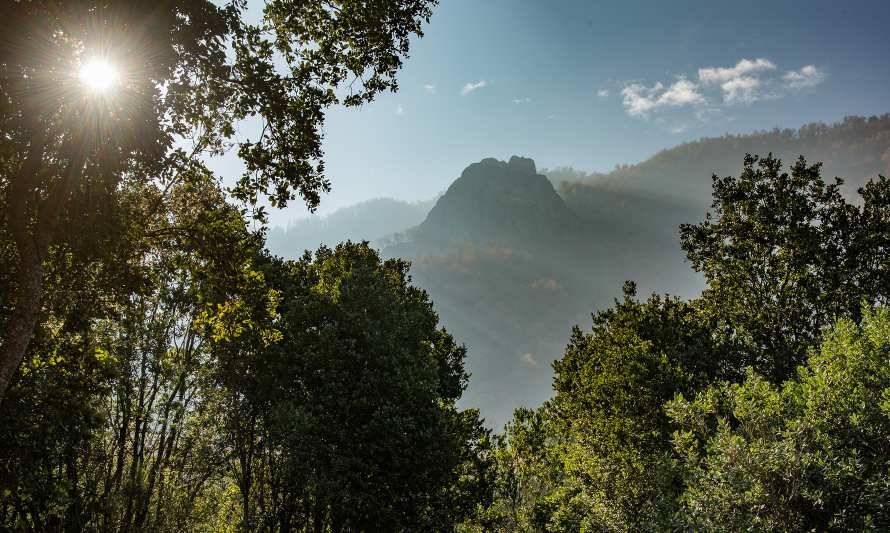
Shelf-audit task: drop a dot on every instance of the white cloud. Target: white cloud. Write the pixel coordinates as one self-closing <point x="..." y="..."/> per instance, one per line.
<point x="742" y="89"/>
<point x="603" y="93"/>
<point x="400" y="110"/>
<point x="470" y="87"/>
<point x="528" y="360"/>
<point x="525" y="100"/>
<point x="807" y="76"/>
<point x="715" y="90"/>
<point x="682" y="92"/>
<point x="430" y="88"/>
<point x="742" y="68"/>
<point x="739" y="84"/>
<point x="639" y="100"/>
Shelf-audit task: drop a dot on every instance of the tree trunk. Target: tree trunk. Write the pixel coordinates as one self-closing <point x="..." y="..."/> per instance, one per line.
<point x="33" y="224"/>
<point x="28" y="292"/>
<point x="27" y="296"/>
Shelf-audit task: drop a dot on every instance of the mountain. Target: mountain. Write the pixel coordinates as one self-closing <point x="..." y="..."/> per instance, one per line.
<point x="498" y="202"/>
<point x="647" y="202"/>
<point x="365" y="221"/>
<point x="512" y="263"/>
<point x="511" y="268"/>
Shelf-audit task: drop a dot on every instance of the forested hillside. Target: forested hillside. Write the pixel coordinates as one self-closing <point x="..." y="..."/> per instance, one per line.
<point x="855" y="148"/>
<point x="511" y="265"/>
<point x="511" y="268"/>
<point x="673" y="187"/>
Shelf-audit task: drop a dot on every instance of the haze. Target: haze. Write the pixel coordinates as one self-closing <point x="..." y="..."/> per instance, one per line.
<point x="448" y="266"/>
<point x="550" y="80"/>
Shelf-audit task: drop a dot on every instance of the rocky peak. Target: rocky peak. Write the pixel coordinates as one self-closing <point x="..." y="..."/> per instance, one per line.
<point x="523" y="164"/>
<point x="497" y="200"/>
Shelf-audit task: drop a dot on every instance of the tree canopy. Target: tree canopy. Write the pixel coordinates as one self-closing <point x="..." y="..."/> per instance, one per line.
<point x="186" y="74"/>
<point x="758" y="405"/>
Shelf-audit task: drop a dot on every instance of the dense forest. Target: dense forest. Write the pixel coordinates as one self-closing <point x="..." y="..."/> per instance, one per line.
<point x="162" y="370"/>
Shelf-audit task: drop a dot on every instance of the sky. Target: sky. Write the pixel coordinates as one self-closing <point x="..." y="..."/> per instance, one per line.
<point x="595" y="84"/>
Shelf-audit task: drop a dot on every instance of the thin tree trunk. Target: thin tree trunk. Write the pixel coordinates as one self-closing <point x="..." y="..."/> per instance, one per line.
<point x="28" y="291"/>
<point x="74" y="515"/>
<point x="27" y="295"/>
<point x="33" y="225"/>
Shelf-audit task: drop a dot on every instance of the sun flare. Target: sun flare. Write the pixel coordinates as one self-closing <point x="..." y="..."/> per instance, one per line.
<point x="98" y="75"/>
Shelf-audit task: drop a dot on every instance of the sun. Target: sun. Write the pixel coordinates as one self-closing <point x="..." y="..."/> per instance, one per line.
<point x="98" y="74"/>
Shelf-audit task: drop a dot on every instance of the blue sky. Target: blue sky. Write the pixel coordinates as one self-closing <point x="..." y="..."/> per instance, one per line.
<point x="595" y="84"/>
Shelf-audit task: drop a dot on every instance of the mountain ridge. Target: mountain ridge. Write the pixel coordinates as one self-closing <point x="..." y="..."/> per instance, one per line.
<point x="512" y="262"/>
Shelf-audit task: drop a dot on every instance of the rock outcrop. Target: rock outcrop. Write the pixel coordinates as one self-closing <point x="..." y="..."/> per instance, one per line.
<point x="497" y="201"/>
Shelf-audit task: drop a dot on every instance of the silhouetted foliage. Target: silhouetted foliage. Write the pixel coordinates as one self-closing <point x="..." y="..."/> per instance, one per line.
<point x="784" y="255"/>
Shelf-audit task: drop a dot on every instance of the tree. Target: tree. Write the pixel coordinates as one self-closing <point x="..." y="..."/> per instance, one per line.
<point x="784" y="255"/>
<point x="111" y="424"/>
<point x="810" y="455"/>
<point x="611" y="386"/>
<point x="188" y="73"/>
<point x="528" y="476"/>
<point x="619" y="448"/>
<point x="349" y="422"/>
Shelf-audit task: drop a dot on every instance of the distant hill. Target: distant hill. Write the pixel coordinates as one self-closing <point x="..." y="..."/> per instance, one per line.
<point x="856" y="148"/>
<point x="646" y="202"/>
<point x="512" y="263"/>
<point x="369" y="220"/>
<point x="511" y="268"/>
<point x="560" y="175"/>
